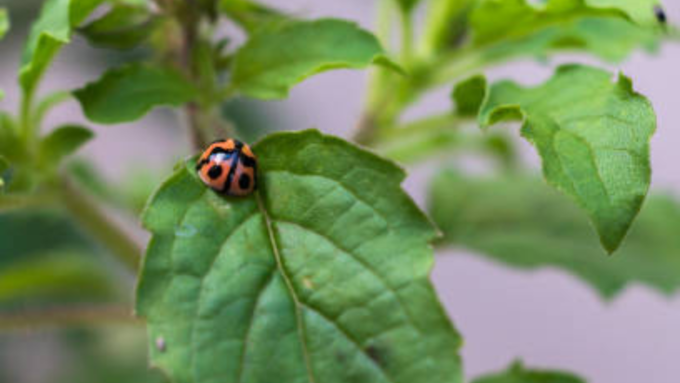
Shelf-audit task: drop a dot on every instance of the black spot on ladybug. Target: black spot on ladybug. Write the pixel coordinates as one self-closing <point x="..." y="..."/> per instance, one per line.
<point x="660" y="14"/>
<point x="215" y="172"/>
<point x="248" y="161"/>
<point x="244" y="181"/>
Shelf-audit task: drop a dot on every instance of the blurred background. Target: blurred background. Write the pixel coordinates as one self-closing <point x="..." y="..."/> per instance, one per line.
<point x="545" y="317"/>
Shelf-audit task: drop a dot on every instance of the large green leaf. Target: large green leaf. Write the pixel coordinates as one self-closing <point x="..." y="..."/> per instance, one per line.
<point x="517" y="373"/>
<point x="277" y="58"/>
<point x="322" y="276"/>
<point x="127" y="93"/>
<point x="592" y="134"/>
<point x="521" y="222"/>
<point x="516" y="27"/>
<point x="48" y="34"/>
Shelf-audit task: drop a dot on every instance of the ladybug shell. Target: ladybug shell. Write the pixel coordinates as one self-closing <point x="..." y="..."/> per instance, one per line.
<point x="228" y="167"/>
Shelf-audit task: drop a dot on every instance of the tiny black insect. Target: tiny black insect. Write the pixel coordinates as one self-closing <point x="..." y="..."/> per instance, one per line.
<point x="660" y="14"/>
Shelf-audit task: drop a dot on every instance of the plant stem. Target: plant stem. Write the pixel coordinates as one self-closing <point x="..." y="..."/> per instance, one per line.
<point x="25" y="121"/>
<point x="94" y="220"/>
<point x="406" y="39"/>
<point x="68" y="316"/>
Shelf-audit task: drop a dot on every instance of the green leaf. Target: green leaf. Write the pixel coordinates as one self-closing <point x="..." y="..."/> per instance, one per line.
<point x="275" y="59"/>
<point x="251" y="15"/>
<point x="521" y="222"/>
<point x="517" y="373"/>
<point x="592" y="134"/>
<point x="55" y="276"/>
<point x="321" y="276"/>
<point x="469" y="95"/>
<point x="127" y="93"/>
<point x="4" y="22"/>
<point x="123" y="27"/>
<point x="516" y="27"/>
<point x="62" y="142"/>
<point x="48" y="34"/>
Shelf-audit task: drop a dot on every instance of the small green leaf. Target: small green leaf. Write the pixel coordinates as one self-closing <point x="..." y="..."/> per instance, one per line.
<point x="321" y="276"/>
<point x="516" y="27"/>
<point x="48" y="34"/>
<point x="123" y="27"/>
<point x="127" y="93"/>
<point x="251" y="15"/>
<point x="517" y="373"/>
<point x="4" y="22"/>
<point x="592" y="134"/>
<point x="275" y="59"/>
<point x="62" y="142"/>
<point x="521" y="222"/>
<point x="640" y="11"/>
<point x="469" y="95"/>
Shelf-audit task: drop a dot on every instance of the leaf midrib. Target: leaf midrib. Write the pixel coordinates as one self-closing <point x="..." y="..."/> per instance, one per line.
<point x="289" y="286"/>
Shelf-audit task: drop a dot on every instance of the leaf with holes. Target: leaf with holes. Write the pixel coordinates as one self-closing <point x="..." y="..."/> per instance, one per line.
<point x="592" y="134"/>
<point x="321" y="276"/>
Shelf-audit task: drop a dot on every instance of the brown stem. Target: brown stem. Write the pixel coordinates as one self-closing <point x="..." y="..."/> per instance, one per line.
<point x="67" y="316"/>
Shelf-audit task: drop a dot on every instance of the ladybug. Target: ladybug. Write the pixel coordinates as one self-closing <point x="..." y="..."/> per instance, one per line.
<point x="228" y="167"/>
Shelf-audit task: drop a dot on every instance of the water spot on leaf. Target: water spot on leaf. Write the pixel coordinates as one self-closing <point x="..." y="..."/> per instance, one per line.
<point x="186" y="231"/>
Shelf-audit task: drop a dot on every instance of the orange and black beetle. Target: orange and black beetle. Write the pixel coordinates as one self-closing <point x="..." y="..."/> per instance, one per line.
<point x="228" y="167"/>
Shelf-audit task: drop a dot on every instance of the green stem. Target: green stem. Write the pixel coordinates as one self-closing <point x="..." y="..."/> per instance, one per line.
<point x="67" y="316"/>
<point x="25" y="121"/>
<point x="379" y="77"/>
<point x="94" y="220"/>
<point x="406" y="39"/>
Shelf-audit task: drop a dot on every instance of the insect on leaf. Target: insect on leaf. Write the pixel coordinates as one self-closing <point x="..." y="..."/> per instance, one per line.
<point x="321" y="276"/>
